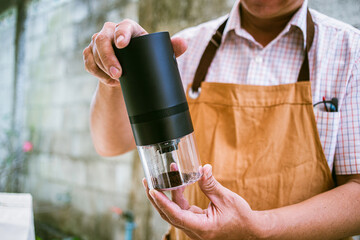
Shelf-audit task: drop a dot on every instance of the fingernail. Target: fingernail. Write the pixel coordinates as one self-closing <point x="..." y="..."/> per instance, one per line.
<point x="114" y="72"/>
<point x="152" y="193"/>
<point x="119" y="39"/>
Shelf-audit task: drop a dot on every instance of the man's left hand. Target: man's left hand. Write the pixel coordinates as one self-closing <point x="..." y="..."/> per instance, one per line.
<point x="228" y="216"/>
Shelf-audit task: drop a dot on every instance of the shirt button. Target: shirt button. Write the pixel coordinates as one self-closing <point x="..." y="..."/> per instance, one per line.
<point x="258" y="59"/>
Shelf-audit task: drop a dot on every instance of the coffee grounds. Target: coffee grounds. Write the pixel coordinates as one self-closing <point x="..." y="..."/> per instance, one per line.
<point x="171" y="179"/>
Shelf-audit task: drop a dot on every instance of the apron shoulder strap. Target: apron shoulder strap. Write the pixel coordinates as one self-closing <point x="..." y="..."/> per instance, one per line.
<point x="215" y="41"/>
<point x="208" y="56"/>
<point x="304" y="74"/>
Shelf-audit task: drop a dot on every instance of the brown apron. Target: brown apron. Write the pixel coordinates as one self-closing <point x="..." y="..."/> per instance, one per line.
<point x="262" y="141"/>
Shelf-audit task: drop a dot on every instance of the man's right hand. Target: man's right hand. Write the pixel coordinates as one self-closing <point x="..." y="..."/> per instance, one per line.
<point x="99" y="56"/>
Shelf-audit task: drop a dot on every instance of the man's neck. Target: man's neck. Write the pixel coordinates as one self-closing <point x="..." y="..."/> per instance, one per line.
<point x="264" y="30"/>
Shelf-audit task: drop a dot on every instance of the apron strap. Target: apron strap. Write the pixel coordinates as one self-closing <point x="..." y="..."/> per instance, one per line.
<point x="304" y="74"/>
<point x="208" y="56"/>
<point x="215" y="41"/>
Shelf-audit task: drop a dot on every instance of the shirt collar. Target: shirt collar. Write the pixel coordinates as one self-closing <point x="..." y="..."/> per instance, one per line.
<point x="234" y="22"/>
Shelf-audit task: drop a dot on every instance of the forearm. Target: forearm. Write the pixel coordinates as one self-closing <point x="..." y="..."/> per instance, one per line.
<point x="110" y="128"/>
<point x="331" y="215"/>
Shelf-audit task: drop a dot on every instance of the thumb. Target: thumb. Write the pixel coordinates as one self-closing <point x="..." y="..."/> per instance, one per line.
<point x="179" y="45"/>
<point x="210" y="187"/>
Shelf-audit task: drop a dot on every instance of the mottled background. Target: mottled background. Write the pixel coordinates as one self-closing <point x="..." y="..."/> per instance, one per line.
<point x="45" y="95"/>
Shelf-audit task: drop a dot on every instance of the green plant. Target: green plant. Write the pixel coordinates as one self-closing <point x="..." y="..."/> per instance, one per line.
<point x="13" y="156"/>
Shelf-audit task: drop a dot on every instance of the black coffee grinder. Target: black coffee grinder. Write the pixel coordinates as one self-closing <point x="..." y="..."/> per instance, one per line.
<point x="158" y="111"/>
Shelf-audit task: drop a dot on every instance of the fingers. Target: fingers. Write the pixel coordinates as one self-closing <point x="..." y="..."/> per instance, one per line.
<point x="99" y="57"/>
<point x="197" y="210"/>
<point x="178" y="197"/>
<point x="94" y="69"/>
<point x="179" y="46"/>
<point x="176" y="222"/>
<point x="103" y="51"/>
<point x="174" y="167"/>
<point x="125" y="30"/>
<point x="212" y="188"/>
<point x="100" y="51"/>
<point x="128" y="29"/>
<point x="178" y="217"/>
<point x="163" y="216"/>
<point x="193" y="225"/>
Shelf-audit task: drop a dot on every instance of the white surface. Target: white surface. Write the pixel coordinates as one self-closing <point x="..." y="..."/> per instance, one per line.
<point x="16" y="217"/>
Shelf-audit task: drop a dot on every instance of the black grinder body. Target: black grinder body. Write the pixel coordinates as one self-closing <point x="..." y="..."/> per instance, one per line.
<point x="153" y="91"/>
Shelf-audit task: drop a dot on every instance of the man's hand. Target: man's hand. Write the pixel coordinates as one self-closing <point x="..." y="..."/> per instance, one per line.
<point x="228" y="216"/>
<point x="109" y="123"/>
<point x="99" y="56"/>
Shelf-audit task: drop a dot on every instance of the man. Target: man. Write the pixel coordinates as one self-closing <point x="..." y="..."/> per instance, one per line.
<point x="252" y="106"/>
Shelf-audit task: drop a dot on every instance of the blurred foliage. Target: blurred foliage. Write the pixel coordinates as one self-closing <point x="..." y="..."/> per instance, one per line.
<point x="44" y="231"/>
<point x="68" y="238"/>
<point x="13" y="157"/>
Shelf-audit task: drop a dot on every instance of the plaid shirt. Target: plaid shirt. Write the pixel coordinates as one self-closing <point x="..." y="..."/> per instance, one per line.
<point x="334" y="61"/>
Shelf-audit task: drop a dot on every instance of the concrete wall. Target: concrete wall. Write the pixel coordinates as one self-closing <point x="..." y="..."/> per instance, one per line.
<point x="346" y="11"/>
<point x="7" y="63"/>
<point x="172" y="16"/>
<point x="74" y="188"/>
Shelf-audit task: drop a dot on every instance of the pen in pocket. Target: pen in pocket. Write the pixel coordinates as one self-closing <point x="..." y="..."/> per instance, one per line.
<point x="329" y="105"/>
